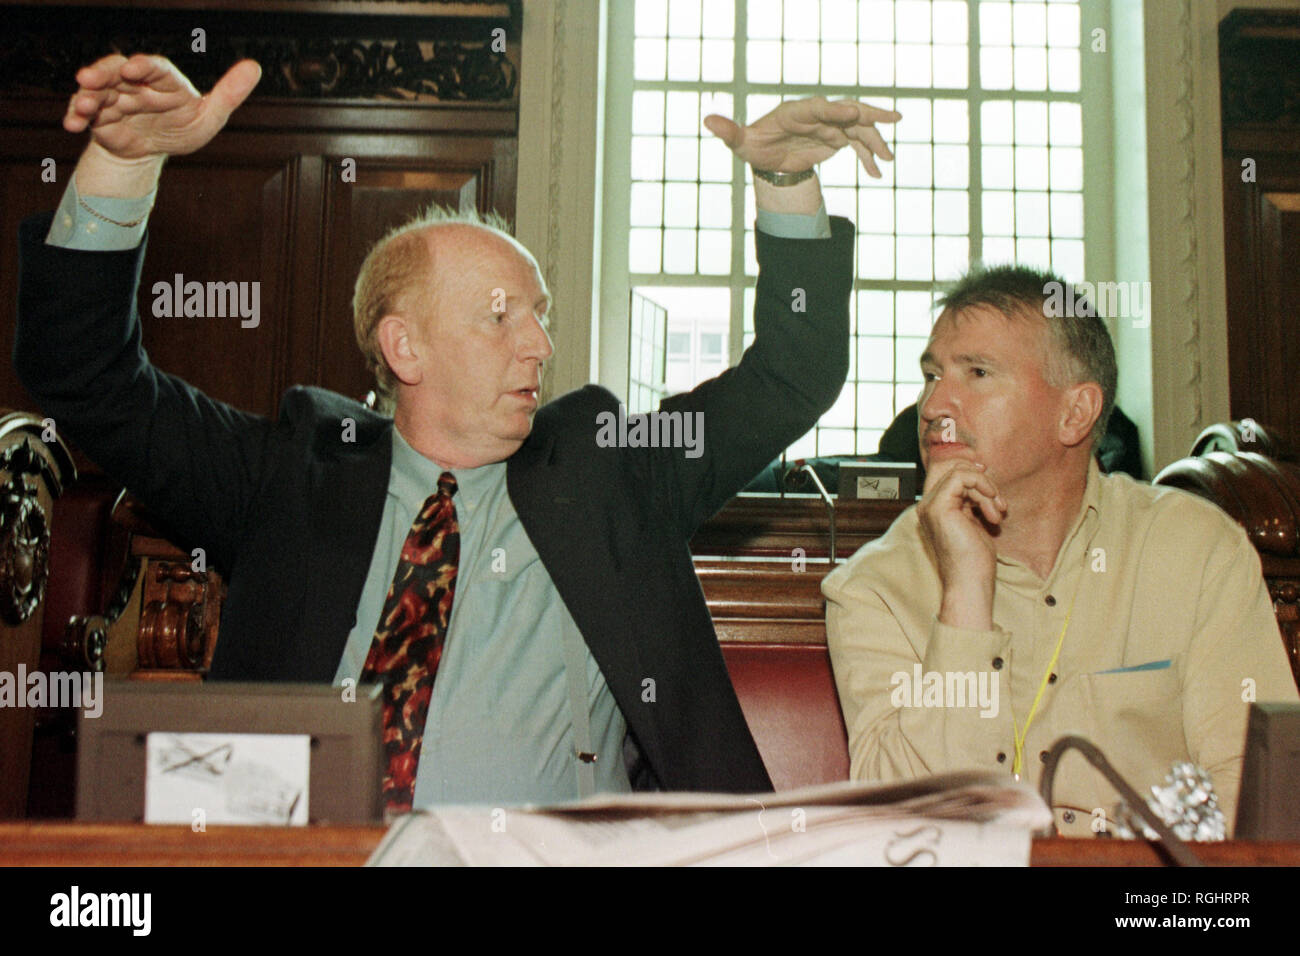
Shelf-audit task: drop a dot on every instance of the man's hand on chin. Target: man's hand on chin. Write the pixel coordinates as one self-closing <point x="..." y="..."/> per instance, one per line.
<point x="959" y="506"/>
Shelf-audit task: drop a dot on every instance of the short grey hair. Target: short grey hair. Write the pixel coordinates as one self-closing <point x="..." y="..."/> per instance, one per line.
<point x="1081" y="349"/>
<point x="394" y="278"/>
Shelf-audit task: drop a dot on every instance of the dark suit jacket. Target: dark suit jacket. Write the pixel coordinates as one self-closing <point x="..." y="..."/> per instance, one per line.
<point x="288" y="512"/>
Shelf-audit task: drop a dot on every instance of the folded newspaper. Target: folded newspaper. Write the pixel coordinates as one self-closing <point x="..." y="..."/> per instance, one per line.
<point x="956" y="819"/>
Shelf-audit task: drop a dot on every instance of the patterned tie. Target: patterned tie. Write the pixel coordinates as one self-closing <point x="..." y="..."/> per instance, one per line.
<point x="408" y="642"/>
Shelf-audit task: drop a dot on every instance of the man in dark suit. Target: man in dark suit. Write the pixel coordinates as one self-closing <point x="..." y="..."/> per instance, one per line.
<point x="561" y="615"/>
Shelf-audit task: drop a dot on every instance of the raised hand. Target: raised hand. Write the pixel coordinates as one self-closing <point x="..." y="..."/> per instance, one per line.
<point x="958" y="508"/>
<point x="145" y="107"/>
<point x="798" y="134"/>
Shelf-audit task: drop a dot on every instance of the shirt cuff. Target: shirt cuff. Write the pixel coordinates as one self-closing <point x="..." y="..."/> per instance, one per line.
<point x="76" y="227"/>
<point x="795" y="225"/>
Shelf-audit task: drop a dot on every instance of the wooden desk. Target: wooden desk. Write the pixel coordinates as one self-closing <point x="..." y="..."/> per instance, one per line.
<point x="133" y="844"/>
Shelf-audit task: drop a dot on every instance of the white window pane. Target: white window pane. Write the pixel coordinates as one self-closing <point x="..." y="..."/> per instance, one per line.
<point x="839" y="64"/>
<point x="875" y="211"/>
<point x="875" y="20"/>
<point x="907" y="357"/>
<point x="715" y="251"/>
<point x="651" y="17"/>
<point x="1031" y="123"/>
<point x="800" y="20"/>
<point x="912" y="18"/>
<point x="1031" y="214"/>
<point x="875" y="257"/>
<point x="647" y="112"/>
<point x="875" y="405"/>
<point x="643" y="250"/>
<point x="876" y="64"/>
<point x="840" y="415"/>
<point x="1029" y="24"/>
<point x="996" y="167"/>
<point x="1063" y="71"/>
<point x="679" y="204"/>
<point x="995" y="67"/>
<point x="839" y="20"/>
<point x="716" y="61"/>
<point x="647" y="157"/>
<point x="952" y="212"/>
<point x="681" y="158"/>
<point x="1067" y="167"/>
<point x="684" y="18"/>
<point x="679" y="250"/>
<point x="875" y="358"/>
<point x="999" y="250"/>
<point x="875" y="313"/>
<point x="715" y="206"/>
<point x="1031" y="167"/>
<point x="720" y="18"/>
<point x="840" y="170"/>
<point x="905" y="395"/>
<point x="915" y="313"/>
<point x="763" y="18"/>
<point x="915" y="126"/>
<point x="1066" y="121"/>
<point x="951" y="167"/>
<point x="1031" y="68"/>
<point x="650" y="59"/>
<point x="805" y="447"/>
<point x="995" y="121"/>
<point x="951" y="257"/>
<point x="835" y="441"/>
<point x="760" y="104"/>
<point x="1067" y="259"/>
<point x="683" y="114"/>
<point x="1034" y="252"/>
<point x="840" y="200"/>
<point x="951" y="68"/>
<point x="1067" y="215"/>
<point x="998" y="213"/>
<point x="914" y="212"/>
<point x="912" y="67"/>
<point x="1063" y="25"/>
<point x="912" y="163"/>
<point x="951" y="121"/>
<point x="915" y="258"/>
<point x="763" y="61"/>
<point x="950" y="22"/>
<point x="715" y="160"/>
<point x="801" y="62"/>
<point x="647" y="204"/>
<point x="995" y="24"/>
<point x="683" y="59"/>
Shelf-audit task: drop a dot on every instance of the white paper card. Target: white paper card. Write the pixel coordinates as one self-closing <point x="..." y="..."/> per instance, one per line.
<point x="252" y="779"/>
<point x="878" y="486"/>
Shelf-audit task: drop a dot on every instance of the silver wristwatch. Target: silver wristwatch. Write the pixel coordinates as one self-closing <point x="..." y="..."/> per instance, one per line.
<point x="783" y="179"/>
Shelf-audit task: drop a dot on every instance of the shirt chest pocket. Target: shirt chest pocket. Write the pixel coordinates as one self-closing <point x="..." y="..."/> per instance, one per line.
<point x="1125" y="711"/>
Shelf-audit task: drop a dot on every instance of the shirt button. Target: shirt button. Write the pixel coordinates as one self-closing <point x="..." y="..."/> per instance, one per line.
<point x="1042" y="755"/>
<point x="1068" y="816"/>
<point x="997" y="663"/>
<point x="1051" y="601"/>
<point x="1051" y="679"/>
<point x="1002" y="758"/>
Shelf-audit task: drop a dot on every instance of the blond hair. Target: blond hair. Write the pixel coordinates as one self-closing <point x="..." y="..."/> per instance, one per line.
<point x="397" y="278"/>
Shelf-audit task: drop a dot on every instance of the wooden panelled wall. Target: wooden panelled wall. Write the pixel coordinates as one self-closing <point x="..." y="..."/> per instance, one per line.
<point x="424" y="108"/>
<point x="1260" y="76"/>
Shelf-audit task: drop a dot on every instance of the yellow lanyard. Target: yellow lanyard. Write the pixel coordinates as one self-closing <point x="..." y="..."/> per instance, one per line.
<point x="1017" y="764"/>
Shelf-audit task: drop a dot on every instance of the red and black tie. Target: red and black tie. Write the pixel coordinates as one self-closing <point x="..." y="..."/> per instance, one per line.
<point x="408" y="642"/>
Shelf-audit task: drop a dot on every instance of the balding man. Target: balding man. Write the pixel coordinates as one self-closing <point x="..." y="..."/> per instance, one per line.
<point x="1027" y="596"/>
<point x="522" y="589"/>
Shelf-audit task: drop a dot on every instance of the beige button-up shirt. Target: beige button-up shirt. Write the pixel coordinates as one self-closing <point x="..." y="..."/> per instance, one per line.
<point x="1170" y="635"/>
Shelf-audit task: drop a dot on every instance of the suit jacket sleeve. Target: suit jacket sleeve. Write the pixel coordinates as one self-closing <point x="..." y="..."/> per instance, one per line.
<point x="194" y="462"/>
<point x="791" y="373"/>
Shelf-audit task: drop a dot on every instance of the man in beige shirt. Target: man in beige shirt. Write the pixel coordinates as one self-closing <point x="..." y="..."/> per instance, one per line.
<point x="1027" y="596"/>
